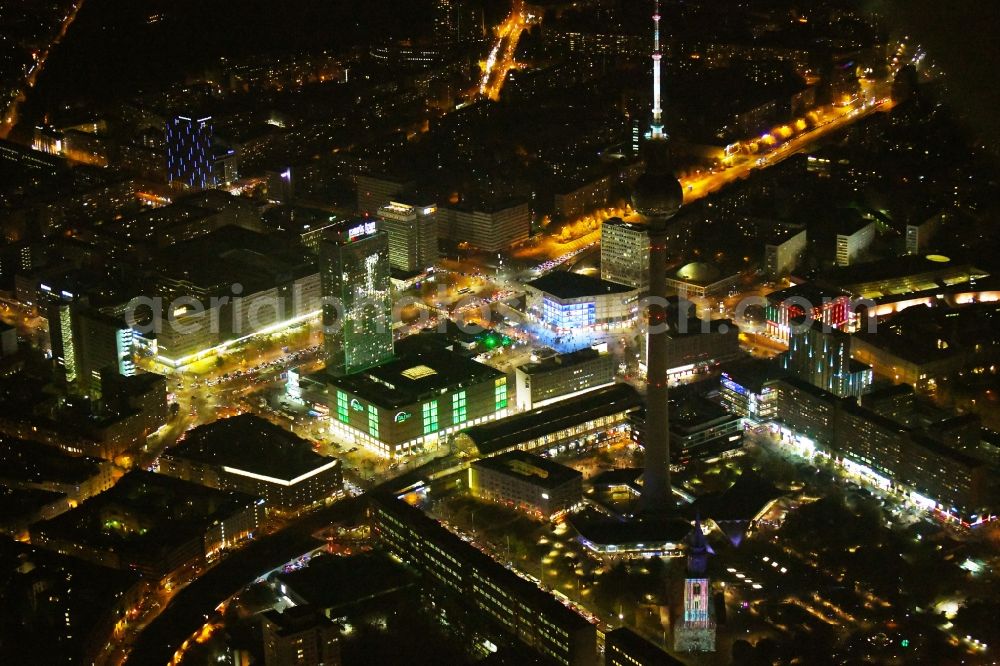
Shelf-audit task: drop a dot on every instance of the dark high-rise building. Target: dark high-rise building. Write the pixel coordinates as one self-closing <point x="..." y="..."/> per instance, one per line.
<point x="357" y="308"/>
<point x="62" y="312"/>
<point x="105" y="345"/>
<point x="457" y="21"/>
<point x="625" y="253"/>
<point x="657" y="197"/>
<point x="445" y="20"/>
<point x="189" y="152"/>
<point x="413" y="236"/>
<point x="377" y="190"/>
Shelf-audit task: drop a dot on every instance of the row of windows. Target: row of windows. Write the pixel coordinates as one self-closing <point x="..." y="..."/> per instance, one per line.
<point x="375" y="443"/>
<point x="342" y="407"/>
<point x="430" y="410"/>
<point x="458" y="402"/>
<point x="500" y="392"/>
<point x="373" y="421"/>
<point x="488" y="595"/>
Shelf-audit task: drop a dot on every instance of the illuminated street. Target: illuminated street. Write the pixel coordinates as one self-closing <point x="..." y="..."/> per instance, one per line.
<point x="556" y="250"/>
<point x="501" y="57"/>
<point x="9" y="112"/>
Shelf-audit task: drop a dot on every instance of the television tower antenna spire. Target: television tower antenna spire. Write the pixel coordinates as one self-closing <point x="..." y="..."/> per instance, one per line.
<point x="656" y="129"/>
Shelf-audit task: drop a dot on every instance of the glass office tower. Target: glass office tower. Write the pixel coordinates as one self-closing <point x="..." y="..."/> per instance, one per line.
<point x="357" y="306"/>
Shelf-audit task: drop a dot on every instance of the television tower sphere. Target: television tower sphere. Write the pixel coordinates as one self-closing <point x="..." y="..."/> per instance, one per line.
<point x="657" y="194"/>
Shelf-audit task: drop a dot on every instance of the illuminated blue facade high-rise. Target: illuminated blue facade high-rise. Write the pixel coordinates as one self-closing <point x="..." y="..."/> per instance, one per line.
<point x="821" y="356"/>
<point x="189" y="152"/>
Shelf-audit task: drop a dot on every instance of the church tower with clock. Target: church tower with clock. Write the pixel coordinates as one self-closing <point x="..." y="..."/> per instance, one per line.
<point x="695" y="632"/>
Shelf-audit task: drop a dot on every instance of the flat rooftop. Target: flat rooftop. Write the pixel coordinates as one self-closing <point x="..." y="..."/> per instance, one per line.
<point x="251" y="444"/>
<point x="413" y="377"/>
<point x="695" y="413"/>
<point x="930" y="268"/>
<point x="691" y="413"/>
<point x="810" y="291"/>
<point x="886" y="392"/>
<point x="234" y="254"/>
<point x="299" y="219"/>
<point x="812" y="390"/>
<point x="636" y="646"/>
<point x="487" y="204"/>
<point x="753" y="373"/>
<point x="599" y="529"/>
<point x="947" y="293"/>
<point x="558" y="361"/>
<point x="139" y="383"/>
<point x="851" y="222"/>
<point x="22" y="503"/>
<point x="75" y="589"/>
<point x="913" y="333"/>
<point x="631" y="226"/>
<point x="695" y="326"/>
<point x="529" y="467"/>
<point x="622" y="476"/>
<point x="36" y="463"/>
<point x="782" y="234"/>
<point x="910" y="347"/>
<point x="511" y="431"/>
<point x="565" y="285"/>
<point x="62" y="276"/>
<point x="145" y="514"/>
<point x="296" y="619"/>
<point x="740" y="502"/>
<point x="332" y="582"/>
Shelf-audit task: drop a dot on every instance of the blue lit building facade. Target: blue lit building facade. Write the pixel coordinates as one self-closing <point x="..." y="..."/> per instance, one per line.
<point x="822" y="357"/>
<point x="745" y="402"/>
<point x="565" y="316"/>
<point x="748" y="390"/>
<point x="564" y="301"/>
<point x="189" y="152"/>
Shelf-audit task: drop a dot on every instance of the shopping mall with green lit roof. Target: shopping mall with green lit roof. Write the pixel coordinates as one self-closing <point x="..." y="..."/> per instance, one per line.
<point x="410" y="404"/>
